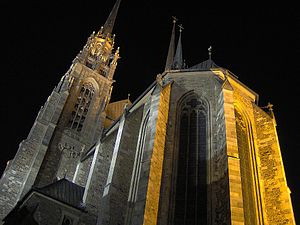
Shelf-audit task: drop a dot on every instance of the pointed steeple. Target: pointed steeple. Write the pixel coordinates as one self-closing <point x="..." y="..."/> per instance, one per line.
<point x="171" y="51"/>
<point x="178" y="60"/>
<point x="109" y="24"/>
<point x="98" y="53"/>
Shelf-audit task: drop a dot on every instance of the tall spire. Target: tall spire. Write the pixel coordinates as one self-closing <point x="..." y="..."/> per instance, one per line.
<point x="109" y="24"/>
<point x="171" y="51"/>
<point x="178" y="60"/>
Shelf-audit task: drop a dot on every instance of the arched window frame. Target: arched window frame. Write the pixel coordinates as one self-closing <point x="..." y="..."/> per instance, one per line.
<point x="179" y="112"/>
<point x="247" y="126"/>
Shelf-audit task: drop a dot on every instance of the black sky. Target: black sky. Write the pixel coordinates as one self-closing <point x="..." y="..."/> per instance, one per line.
<point x="258" y="44"/>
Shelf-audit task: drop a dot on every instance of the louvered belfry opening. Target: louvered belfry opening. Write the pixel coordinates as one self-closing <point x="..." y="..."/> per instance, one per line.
<point x="82" y="106"/>
<point x="191" y="185"/>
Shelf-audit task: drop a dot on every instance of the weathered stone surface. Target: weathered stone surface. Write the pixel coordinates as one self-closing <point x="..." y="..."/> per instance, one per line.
<point x="115" y="196"/>
<point x="157" y="157"/>
<point x="275" y="193"/>
<point x="16" y="181"/>
<point x="235" y="187"/>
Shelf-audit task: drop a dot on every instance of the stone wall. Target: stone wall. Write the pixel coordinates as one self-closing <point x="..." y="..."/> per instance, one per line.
<point x="19" y="178"/>
<point x="169" y="157"/>
<point x="234" y="174"/>
<point x="115" y="196"/>
<point x="219" y="170"/>
<point x="157" y="158"/>
<point x="97" y="173"/>
<point x="137" y="216"/>
<point x="275" y="193"/>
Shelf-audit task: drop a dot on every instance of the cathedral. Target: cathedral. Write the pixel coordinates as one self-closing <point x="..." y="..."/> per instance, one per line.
<point x="194" y="148"/>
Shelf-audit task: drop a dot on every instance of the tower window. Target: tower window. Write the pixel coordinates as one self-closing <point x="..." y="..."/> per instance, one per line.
<point x="191" y="185"/>
<point x="89" y="65"/>
<point x="81" y="107"/>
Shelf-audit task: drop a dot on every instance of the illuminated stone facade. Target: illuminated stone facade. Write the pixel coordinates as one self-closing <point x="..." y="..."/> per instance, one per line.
<point x="194" y="148"/>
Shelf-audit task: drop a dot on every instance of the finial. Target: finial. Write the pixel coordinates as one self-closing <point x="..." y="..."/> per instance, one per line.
<point x="128" y="96"/>
<point x="174" y="19"/>
<point x="270" y="106"/>
<point x="181" y="28"/>
<point x="209" y="52"/>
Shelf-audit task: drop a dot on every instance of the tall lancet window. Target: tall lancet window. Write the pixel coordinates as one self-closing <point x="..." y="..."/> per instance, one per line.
<point x="247" y="170"/>
<point x="81" y="107"/>
<point x="191" y="182"/>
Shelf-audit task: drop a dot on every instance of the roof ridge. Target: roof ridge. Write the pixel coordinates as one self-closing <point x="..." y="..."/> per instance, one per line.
<point x="207" y="64"/>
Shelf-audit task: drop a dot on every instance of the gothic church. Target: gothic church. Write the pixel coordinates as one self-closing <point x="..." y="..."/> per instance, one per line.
<point x="193" y="148"/>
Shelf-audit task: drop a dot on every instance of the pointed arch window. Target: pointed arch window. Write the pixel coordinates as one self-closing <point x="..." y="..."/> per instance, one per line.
<point x="247" y="169"/>
<point x="191" y="185"/>
<point x="82" y="106"/>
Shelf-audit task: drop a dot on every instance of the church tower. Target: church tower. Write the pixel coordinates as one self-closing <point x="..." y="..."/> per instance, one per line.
<point x="69" y="123"/>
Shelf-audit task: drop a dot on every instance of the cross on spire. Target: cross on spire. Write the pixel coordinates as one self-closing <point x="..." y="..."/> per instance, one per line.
<point x="181" y="28"/>
<point x="174" y="19"/>
<point x="209" y="52"/>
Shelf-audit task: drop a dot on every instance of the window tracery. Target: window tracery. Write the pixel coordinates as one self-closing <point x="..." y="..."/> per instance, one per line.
<point x="191" y="187"/>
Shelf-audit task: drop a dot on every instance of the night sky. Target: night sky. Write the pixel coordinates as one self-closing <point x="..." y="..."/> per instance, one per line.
<point x="259" y="45"/>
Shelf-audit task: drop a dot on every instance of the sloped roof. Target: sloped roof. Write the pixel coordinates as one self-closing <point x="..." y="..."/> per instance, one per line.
<point x="136" y="104"/>
<point x="205" y="65"/>
<point x="65" y="191"/>
<point x="114" y="110"/>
